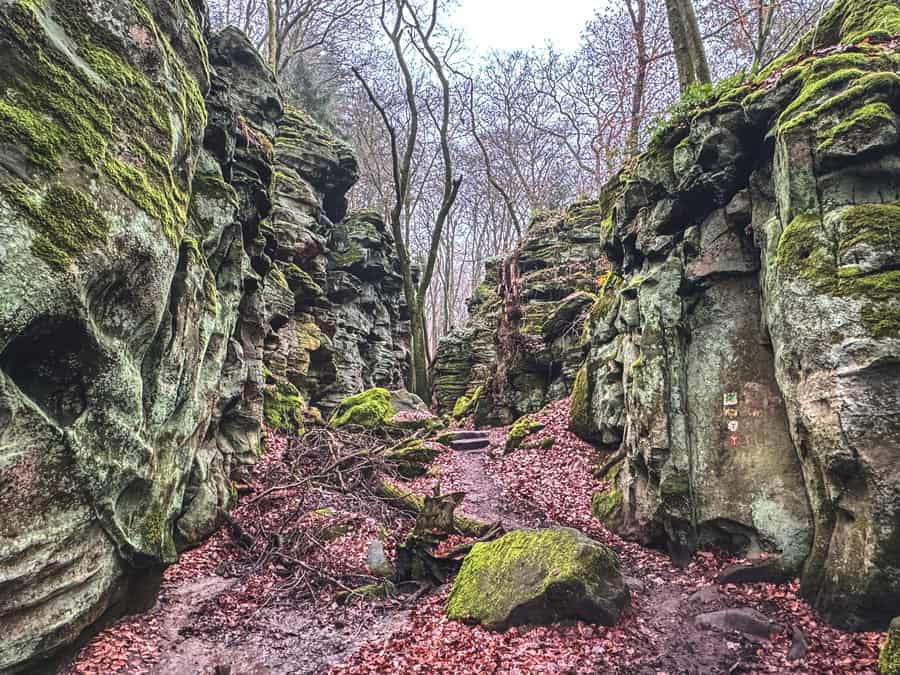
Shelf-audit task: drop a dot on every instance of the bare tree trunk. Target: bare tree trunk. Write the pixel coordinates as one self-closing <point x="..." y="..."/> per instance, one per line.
<point x="637" y="10"/>
<point x="766" y="12"/>
<point x="416" y="295"/>
<point x="687" y="43"/>
<point x="273" y="42"/>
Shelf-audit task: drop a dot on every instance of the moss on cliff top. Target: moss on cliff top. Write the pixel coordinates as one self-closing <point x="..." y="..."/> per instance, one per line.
<point x="850" y="21"/>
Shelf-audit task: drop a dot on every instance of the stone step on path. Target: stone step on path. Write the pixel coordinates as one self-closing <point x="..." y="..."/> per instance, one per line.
<point x="466" y="441"/>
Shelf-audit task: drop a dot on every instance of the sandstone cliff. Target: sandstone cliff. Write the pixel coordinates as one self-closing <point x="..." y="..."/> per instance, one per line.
<point x="176" y="264"/>
<point x="522" y="346"/>
<point x="744" y="349"/>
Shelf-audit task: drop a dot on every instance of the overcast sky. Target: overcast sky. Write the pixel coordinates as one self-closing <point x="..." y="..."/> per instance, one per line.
<point x="519" y="24"/>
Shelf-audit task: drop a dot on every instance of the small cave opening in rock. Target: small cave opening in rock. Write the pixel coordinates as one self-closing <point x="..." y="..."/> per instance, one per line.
<point x="335" y="205"/>
<point x="53" y="362"/>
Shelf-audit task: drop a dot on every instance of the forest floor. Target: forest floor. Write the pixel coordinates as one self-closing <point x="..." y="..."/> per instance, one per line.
<point x="264" y="595"/>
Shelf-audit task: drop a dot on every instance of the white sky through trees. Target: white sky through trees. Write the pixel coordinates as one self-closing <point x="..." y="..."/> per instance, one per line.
<point x="519" y="24"/>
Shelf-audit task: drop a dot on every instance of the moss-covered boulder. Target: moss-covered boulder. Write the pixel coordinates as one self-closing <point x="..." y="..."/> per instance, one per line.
<point x="466" y="403"/>
<point x="369" y="409"/>
<point x="521" y="429"/>
<point x="411" y="458"/>
<point x="538" y="577"/>
<point x="889" y="661"/>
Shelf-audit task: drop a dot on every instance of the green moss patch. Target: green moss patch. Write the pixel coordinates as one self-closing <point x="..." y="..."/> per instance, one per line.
<point x="465" y="404"/>
<point x="521" y="429"/>
<point x="283" y="407"/>
<point x="580" y="418"/>
<point x="851" y="21"/>
<point x="67" y="221"/>
<point x="101" y="109"/>
<point x="889" y="661"/>
<point x="865" y="121"/>
<point x="371" y="408"/>
<point x="606" y="504"/>
<point x="809" y="250"/>
<point x="411" y="458"/>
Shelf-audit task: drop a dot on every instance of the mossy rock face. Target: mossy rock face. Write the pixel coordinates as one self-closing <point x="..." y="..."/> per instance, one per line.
<point x="605" y="505"/>
<point x="283" y="408"/>
<point x="889" y="661"/>
<point x="111" y="350"/>
<point x="580" y="417"/>
<point x="369" y="409"/>
<point x="538" y="577"/>
<point x="520" y="430"/>
<point x="465" y="405"/>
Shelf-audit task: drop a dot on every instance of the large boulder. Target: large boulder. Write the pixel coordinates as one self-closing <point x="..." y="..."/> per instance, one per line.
<point x="538" y="577"/>
<point x="370" y="409"/>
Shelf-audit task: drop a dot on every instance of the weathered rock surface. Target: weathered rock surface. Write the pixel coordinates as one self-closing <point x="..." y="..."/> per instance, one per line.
<point x="145" y="283"/>
<point x="109" y="355"/>
<point x="538" y="576"/>
<point x="345" y="325"/>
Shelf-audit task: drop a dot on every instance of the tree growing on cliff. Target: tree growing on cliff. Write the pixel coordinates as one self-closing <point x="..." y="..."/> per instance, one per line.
<point x="687" y="42"/>
<point x="409" y="27"/>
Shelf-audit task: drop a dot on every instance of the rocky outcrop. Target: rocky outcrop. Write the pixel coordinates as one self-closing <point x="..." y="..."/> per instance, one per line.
<point x="147" y="277"/>
<point x="110" y="355"/>
<point x="522" y="345"/>
<point x="466" y="356"/>
<point x="747" y="357"/>
<point x="345" y="325"/>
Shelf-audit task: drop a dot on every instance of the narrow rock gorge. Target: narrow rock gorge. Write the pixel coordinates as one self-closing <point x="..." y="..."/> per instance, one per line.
<point x="181" y="277"/>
